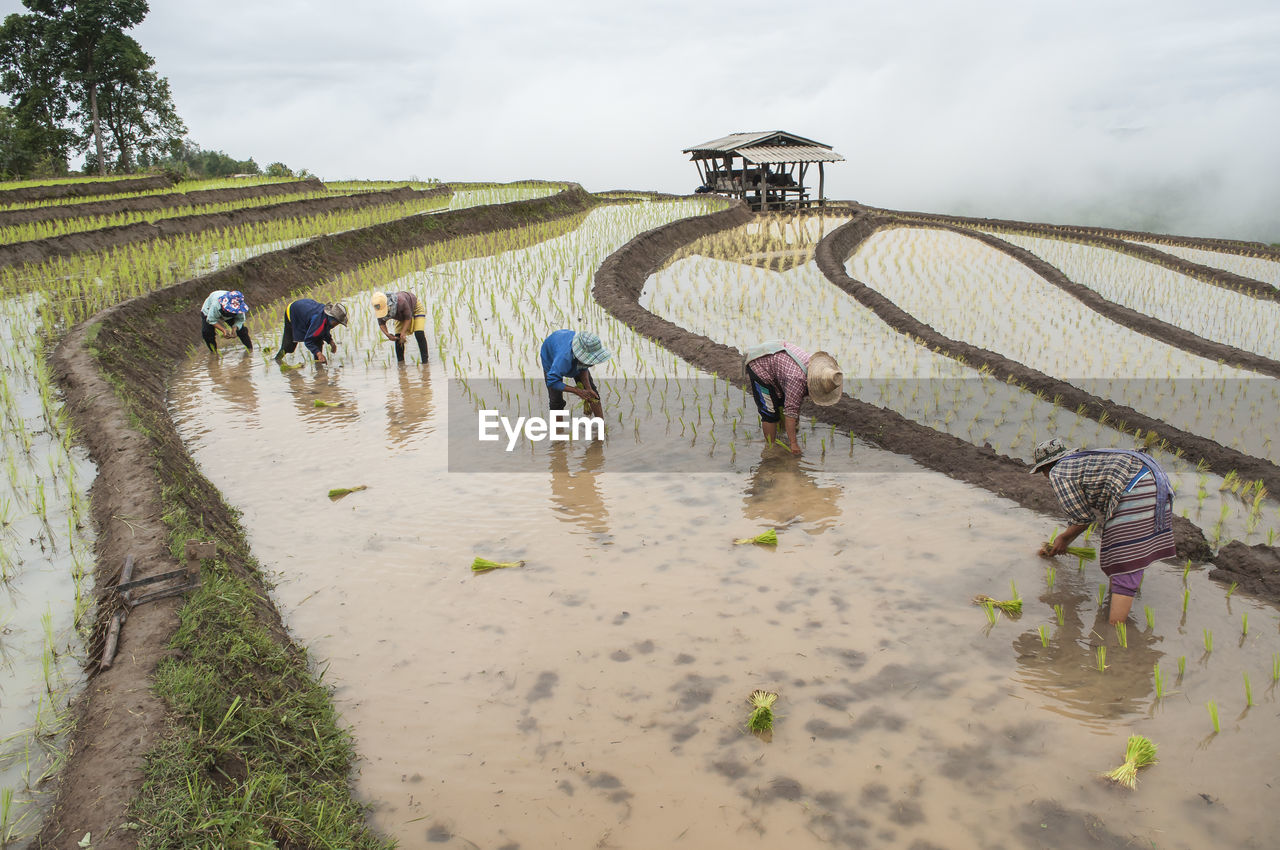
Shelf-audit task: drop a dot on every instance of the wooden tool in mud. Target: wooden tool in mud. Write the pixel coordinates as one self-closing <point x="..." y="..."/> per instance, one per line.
<point x="182" y="580"/>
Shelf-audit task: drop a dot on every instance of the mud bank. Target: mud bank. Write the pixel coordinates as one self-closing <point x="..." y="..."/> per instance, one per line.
<point x="621" y="278"/>
<point x="84" y="189"/>
<point x="114" y="370"/>
<point x="39" y="250"/>
<point x="842" y="242"/>
<point x="164" y="201"/>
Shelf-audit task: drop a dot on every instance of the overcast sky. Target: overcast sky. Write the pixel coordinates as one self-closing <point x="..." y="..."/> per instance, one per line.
<point x="1158" y="113"/>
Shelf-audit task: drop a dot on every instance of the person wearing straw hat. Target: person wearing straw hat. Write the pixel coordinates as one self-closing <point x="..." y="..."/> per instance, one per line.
<point x="410" y="316"/>
<point x="310" y="323"/>
<point x="223" y="313"/>
<point x="570" y="354"/>
<point x="781" y="376"/>
<point x="1128" y="494"/>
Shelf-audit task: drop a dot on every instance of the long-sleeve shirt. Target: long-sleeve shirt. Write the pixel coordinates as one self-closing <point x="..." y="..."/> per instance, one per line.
<point x="309" y="323"/>
<point x="558" y="361"/>
<point x="401" y="306"/>
<point x="781" y="371"/>
<point x="212" y="312"/>
<point x="1089" y="486"/>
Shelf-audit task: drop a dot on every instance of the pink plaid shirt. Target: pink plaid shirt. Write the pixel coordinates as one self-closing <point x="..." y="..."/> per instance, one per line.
<point x="780" y="371"/>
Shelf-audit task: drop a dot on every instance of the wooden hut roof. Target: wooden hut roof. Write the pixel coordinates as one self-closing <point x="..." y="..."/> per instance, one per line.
<point x="767" y="146"/>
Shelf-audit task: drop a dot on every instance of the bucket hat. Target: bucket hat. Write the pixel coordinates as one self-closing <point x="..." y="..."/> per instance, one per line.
<point x="588" y="349"/>
<point x="233" y="302"/>
<point x="336" y="312"/>
<point x="826" y="381"/>
<point x="380" y="308"/>
<point x="1050" y="451"/>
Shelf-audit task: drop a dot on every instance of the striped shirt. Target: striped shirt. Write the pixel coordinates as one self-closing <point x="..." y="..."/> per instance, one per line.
<point x="401" y="306"/>
<point x="1089" y="486"/>
<point x="781" y="371"/>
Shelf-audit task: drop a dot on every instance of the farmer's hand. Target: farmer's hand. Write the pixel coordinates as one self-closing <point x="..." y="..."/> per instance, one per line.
<point x="1054" y="548"/>
<point x="402" y="338"/>
<point x="226" y="333"/>
<point x="320" y="358"/>
<point x="333" y="346"/>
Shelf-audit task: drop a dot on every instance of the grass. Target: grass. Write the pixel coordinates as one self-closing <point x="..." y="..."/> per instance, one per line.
<point x="255" y="754"/>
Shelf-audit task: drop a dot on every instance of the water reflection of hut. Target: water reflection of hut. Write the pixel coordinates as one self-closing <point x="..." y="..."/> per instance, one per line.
<point x="766" y="169"/>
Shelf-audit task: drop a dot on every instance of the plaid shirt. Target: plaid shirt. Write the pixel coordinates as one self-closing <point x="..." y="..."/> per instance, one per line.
<point x="779" y="370"/>
<point x="401" y="306"/>
<point x="1091" y="484"/>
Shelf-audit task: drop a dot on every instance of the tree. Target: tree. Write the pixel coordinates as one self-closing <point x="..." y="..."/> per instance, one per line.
<point x="87" y="70"/>
<point x="37" y="142"/>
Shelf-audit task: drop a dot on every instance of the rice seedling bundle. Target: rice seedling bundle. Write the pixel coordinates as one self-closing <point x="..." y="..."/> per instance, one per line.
<point x="761" y="717"/>
<point x="1100" y="656"/>
<point x="484" y="565"/>
<point x="322" y="403"/>
<point x="1011" y="607"/>
<point x="768" y="538"/>
<point x="338" y="492"/>
<point x="1138" y="753"/>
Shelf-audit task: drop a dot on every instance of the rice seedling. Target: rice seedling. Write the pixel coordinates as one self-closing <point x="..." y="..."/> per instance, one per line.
<point x="1151" y="617"/>
<point x="1102" y="593"/>
<point x="1011" y="607"/>
<point x="322" y="403"/>
<point x="1244" y="624"/>
<point x="1044" y="635"/>
<point x="1139" y="752"/>
<point x="1159" y="681"/>
<point x="338" y="492"/>
<point x="761" y="717"/>
<point x="1208" y="641"/>
<point x="1275" y="668"/>
<point x="1050" y="577"/>
<point x="1248" y="692"/>
<point x="990" y="609"/>
<point x="1186" y="600"/>
<point x="1101" y="657"/>
<point x="768" y="538"/>
<point x="1060" y="613"/>
<point x="1213" y="715"/>
<point x="1182" y="666"/>
<point x="484" y="565"/>
<point x="1232" y="588"/>
<point x="1122" y="635"/>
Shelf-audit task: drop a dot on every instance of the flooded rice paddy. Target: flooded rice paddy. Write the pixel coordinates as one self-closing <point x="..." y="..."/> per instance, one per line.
<point x="597" y="696"/>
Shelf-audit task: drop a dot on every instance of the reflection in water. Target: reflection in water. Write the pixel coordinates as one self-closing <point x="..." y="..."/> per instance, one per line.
<point x="231" y="381"/>
<point x="576" y="496"/>
<point x="322" y="385"/>
<point x="782" y="491"/>
<point x="1067" y="671"/>
<point x="409" y="410"/>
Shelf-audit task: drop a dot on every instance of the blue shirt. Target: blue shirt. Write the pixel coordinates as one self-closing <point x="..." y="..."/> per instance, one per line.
<point x="558" y="361"/>
<point x="309" y="323"/>
<point x="212" y="312"/>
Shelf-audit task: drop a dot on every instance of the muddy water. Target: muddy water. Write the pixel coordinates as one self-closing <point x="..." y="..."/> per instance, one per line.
<point x="596" y="697"/>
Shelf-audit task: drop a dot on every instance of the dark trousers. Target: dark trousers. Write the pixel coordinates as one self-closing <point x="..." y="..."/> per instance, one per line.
<point x="210" y="334"/>
<point x="421" y="337"/>
<point x="584" y="378"/>
<point x="287" y="342"/>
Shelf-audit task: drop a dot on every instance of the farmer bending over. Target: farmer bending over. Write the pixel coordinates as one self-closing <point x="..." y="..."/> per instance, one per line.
<point x="569" y="354"/>
<point x="781" y="376"/>
<point x="223" y="313"/>
<point x="410" y="316"/>
<point x="1128" y="494"/>
<point x="310" y="323"/>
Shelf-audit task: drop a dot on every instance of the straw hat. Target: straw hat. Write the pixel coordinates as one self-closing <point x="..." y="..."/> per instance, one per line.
<point x="336" y="312"/>
<point x="379" y="305"/>
<point x="588" y="349"/>
<point x="826" y="381"/>
<point x="1050" y="451"/>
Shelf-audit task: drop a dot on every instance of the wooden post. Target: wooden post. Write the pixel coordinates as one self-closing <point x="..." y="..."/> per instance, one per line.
<point x="117" y="619"/>
<point x="822" y="188"/>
